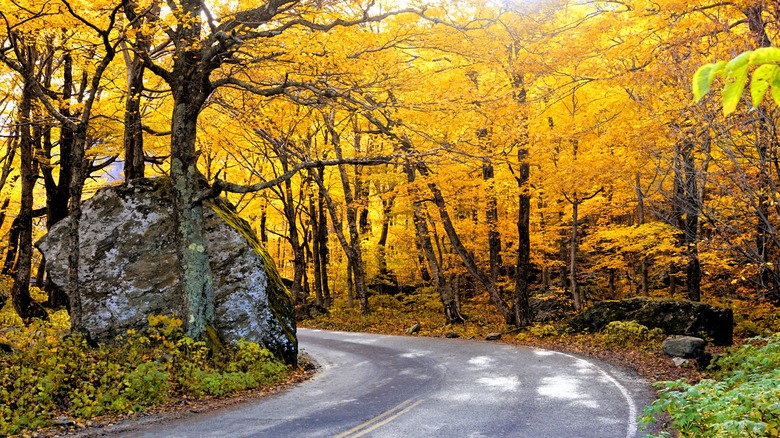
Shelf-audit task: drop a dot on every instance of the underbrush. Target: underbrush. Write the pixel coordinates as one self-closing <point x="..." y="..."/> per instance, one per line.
<point x="48" y="375"/>
<point x="741" y="400"/>
<point x="395" y="314"/>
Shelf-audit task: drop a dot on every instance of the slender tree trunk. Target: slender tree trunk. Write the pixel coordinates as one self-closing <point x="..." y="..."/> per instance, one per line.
<point x="133" y="137"/>
<point x="387" y="206"/>
<point x="350" y="287"/>
<point x="640" y="199"/>
<point x="678" y="211"/>
<point x="322" y="238"/>
<point x="263" y="227"/>
<point x="612" y="283"/>
<point x="25" y="306"/>
<point x="58" y="192"/>
<point x="3" y="210"/>
<point x="467" y="258"/>
<point x="40" y="273"/>
<point x="767" y="284"/>
<point x="693" y="269"/>
<point x="575" y="290"/>
<point x="425" y="276"/>
<point x="299" y="265"/>
<point x="76" y="187"/>
<point x="448" y="300"/>
<point x="315" y="250"/>
<point x="491" y="218"/>
<point x="354" y="258"/>
<point x="523" y="315"/>
<point x="9" y="266"/>
<point x="355" y="253"/>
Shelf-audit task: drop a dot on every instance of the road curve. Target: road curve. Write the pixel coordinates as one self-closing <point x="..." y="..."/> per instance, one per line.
<point x="392" y="386"/>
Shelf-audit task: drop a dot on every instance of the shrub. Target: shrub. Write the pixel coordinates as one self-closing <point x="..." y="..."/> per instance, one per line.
<point x="629" y="333"/>
<point x="743" y="399"/>
<point x="381" y="302"/>
<point x="542" y="330"/>
<point x="48" y="373"/>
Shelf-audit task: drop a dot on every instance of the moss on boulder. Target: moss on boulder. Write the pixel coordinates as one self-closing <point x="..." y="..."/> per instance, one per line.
<point x="673" y="317"/>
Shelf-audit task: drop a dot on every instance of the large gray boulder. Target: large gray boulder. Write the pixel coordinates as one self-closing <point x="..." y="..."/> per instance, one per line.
<point x="673" y="317"/>
<point x="129" y="268"/>
<point x="687" y="347"/>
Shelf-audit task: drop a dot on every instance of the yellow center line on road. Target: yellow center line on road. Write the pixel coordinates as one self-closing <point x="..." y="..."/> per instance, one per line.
<point x="380" y="420"/>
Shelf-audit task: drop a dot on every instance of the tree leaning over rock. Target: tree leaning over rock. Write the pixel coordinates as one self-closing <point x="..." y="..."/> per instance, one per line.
<point x="200" y="48"/>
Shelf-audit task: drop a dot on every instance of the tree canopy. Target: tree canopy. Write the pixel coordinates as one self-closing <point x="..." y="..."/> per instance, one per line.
<point x="504" y="148"/>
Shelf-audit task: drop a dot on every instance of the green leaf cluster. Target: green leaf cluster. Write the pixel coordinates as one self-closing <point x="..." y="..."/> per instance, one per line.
<point x="629" y="334"/>
<point x="543" y="330"/>
<point x="742" y="400"/>
<point x="48" y="375"/>
<point x="735" y="72"/>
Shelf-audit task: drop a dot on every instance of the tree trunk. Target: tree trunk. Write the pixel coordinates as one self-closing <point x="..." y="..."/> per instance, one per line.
<point x="190" y="86"/>
<point x="40" y="273"/>
<point x="350" y="287"/>
<point x="76" y="187"/>
<point x="448" y="300"/>
<point x="693" y="269"/>
<point x="466" y="257"/>
<point x="25" y="306"/>
<point x="263" y="227"/>
<point x="195" y="268"/>
<point x="575" y="290"/>
<point x="523" y="315"/>
<point x="58" y="192"/>
<point x="387" y="206"/>
<point x="322" y="239"/>
<point x="133" y="137"/>
<point x="9" y="266"/>
<point x="491" y="218"/>
<point x="299" y="264"/>
<point x="349" y="250"/>
<point x="640" y="200"/>
<point x="315" y="250"/>
<point x="678" y="211"/>
<point x="354" y="253"/>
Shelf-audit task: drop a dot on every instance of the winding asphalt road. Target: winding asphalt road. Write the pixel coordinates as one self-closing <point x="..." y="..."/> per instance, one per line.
<point x="391" y="386"/>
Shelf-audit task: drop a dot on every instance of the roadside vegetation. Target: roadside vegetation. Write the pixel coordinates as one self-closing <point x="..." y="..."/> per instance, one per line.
<point x="740" y="399"/>
<point x="48" y="376"/>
